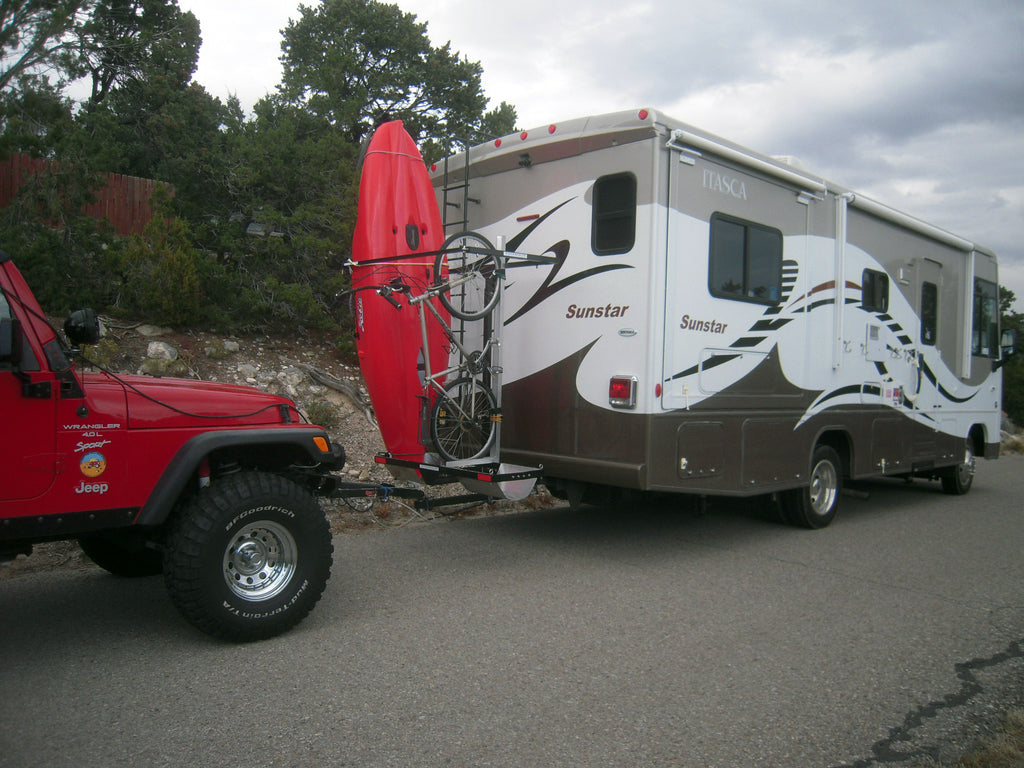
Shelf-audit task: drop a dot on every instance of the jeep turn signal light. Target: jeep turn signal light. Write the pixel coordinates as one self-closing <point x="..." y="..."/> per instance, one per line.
<point x="622" y="392"/>
<point x="321" y="443"/>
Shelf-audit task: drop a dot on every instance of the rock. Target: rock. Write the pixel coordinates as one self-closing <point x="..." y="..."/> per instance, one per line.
<point x="161" y="350"/>
<point x="152" y="330"/>
<point x="290" y="379"/>
<point x="248" y="371"/>
<point x="218" y="349"/>
<point x="160" y="366"/>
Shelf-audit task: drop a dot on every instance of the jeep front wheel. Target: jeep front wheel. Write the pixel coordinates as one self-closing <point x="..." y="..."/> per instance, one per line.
<point x="248" y="557"/>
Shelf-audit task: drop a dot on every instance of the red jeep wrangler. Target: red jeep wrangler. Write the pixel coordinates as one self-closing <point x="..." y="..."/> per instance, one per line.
<point x="212" y="484"/>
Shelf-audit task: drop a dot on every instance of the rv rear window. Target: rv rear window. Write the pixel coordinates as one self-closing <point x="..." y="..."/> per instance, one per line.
<point x="874" y="295"/>
<point x="613" y="229"/>
<point x="985" y="329"/>
<point x="929" y="313"/>
<point x="746" y="260"/>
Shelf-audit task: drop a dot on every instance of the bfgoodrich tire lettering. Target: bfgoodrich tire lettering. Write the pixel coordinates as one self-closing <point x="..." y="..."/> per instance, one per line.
<point x="248" y="557"/>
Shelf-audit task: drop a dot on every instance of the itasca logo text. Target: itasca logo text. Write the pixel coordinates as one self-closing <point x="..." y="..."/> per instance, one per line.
<point x="727" y="185"/>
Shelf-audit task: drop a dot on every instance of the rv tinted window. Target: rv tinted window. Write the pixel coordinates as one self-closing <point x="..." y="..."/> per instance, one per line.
<point x="874" y="291"/>
<point x="745" y="261"/>
<point x="929" y="313"/>
<point x="613" y="229"/>
<point x="985" y="328"/>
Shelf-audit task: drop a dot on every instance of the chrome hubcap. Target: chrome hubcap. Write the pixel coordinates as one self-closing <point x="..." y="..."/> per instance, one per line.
<point x="967" y="469"/>
<point x="260" y="561"/>
<point x="824" y="487"/>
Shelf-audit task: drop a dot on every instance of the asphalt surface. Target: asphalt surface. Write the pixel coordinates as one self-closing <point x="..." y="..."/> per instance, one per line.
<point x="643" y="636"/>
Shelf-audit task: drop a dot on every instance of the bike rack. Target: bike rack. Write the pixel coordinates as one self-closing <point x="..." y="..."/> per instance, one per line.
<point x="487" y="480"/>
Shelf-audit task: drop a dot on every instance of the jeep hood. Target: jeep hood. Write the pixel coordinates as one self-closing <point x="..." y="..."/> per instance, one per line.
<point x="159" y="403"/>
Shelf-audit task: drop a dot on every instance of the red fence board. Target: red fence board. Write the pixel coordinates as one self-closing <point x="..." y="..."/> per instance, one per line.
<point x="123" y="200"/>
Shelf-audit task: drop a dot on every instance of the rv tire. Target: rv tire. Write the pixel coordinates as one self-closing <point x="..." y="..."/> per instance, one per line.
<point x="957" y="480"/>
<point x="815" y="505"/>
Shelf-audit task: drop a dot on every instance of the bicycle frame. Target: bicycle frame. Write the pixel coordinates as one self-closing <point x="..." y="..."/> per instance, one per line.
<point x="471" y="363"/>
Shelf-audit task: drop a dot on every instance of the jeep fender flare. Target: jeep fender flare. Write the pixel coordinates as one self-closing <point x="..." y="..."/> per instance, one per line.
<point x="182" y="468"/>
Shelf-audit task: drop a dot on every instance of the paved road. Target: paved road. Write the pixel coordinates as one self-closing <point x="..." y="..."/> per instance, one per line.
<point x="638" y="637"/>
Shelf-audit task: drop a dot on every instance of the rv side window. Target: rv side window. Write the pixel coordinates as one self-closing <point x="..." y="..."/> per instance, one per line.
<point x="874" y="291"/>
<point x="746" y="260"/>
<point x="929" y="313"/>
<point x="613" y="229"/>
<point x="985" y="329"/>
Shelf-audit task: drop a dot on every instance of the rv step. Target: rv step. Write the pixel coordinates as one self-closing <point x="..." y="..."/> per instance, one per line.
<point x="494" y="480"/>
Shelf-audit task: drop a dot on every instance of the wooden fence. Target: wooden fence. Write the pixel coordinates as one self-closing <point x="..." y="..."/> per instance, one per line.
<point x="123" y="200"/>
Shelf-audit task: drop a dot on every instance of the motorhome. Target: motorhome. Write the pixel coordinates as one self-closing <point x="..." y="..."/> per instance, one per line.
<point x="714" y="321"/>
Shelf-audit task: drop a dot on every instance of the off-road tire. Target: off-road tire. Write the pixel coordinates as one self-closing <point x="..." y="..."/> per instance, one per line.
<point x="248" y="557"/>
<point x="122" y="553"/>
<point x="815" y="505"/>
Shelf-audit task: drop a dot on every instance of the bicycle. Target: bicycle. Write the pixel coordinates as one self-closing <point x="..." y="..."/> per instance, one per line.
<point x="462" y="420"/>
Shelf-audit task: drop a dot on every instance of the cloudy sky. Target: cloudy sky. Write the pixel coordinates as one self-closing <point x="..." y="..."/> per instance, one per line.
<point x="917" y="103"/>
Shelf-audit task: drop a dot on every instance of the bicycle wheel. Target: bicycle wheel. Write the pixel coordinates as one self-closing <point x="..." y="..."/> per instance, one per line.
<point x="461" y="424"/>
<point x="472" y="264"/>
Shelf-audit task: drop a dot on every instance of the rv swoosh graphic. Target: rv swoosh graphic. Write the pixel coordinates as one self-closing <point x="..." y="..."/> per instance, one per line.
<point x="560" y="249"/>
<point x="515" y="242"/>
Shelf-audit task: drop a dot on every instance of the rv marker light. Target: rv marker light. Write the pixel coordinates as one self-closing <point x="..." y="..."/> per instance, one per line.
<point x="551" y="128"/>
<point x="497" y="143"/>
<point x="523" y="135"/>
<point x="642" y="114"/>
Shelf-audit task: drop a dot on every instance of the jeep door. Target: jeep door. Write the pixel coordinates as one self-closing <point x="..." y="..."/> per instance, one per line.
<point x="28" y="449"/>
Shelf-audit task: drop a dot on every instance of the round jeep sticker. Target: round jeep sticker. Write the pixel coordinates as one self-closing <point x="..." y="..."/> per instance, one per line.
<point x="93" y="464"/>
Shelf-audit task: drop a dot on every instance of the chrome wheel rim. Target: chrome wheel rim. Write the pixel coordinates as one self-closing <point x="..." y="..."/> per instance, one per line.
<point x="260" y="561"/>
<point x="966" y="470"/>
<point x="824" y="487"/>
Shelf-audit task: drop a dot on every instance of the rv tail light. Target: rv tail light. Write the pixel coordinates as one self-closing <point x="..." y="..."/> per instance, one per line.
<point x="622" y="392"/>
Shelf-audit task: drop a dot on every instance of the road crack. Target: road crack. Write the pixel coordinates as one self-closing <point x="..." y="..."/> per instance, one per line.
<point x="889" y="751"/>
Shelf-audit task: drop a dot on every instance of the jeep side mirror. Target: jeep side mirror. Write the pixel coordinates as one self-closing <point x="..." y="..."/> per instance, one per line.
<point x="82" y="327"/>
<point x="10" y="341"/>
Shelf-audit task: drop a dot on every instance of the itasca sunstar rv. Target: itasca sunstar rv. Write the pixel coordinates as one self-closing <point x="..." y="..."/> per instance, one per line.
<point x="717" y="322"/>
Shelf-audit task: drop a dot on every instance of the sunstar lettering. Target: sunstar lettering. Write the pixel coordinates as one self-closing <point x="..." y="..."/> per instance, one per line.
<point x="708" y="326"/>
<point x="608" y="310"/>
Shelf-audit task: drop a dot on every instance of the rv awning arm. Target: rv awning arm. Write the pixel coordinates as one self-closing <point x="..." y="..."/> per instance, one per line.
<point x="680" y="139"/>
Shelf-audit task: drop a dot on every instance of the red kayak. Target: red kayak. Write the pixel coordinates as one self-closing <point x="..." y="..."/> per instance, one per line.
<point x="398" y="232"/>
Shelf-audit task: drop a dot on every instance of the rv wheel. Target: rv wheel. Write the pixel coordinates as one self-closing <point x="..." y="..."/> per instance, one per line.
<point x="957" y="480"/>
<point x="815" y="505"/>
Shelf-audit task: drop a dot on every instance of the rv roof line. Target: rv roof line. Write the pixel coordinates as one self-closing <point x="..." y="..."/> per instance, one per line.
<point x="771" y="167"/>
<point x="865" y="203"/>
<point x="692" y="140"/>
